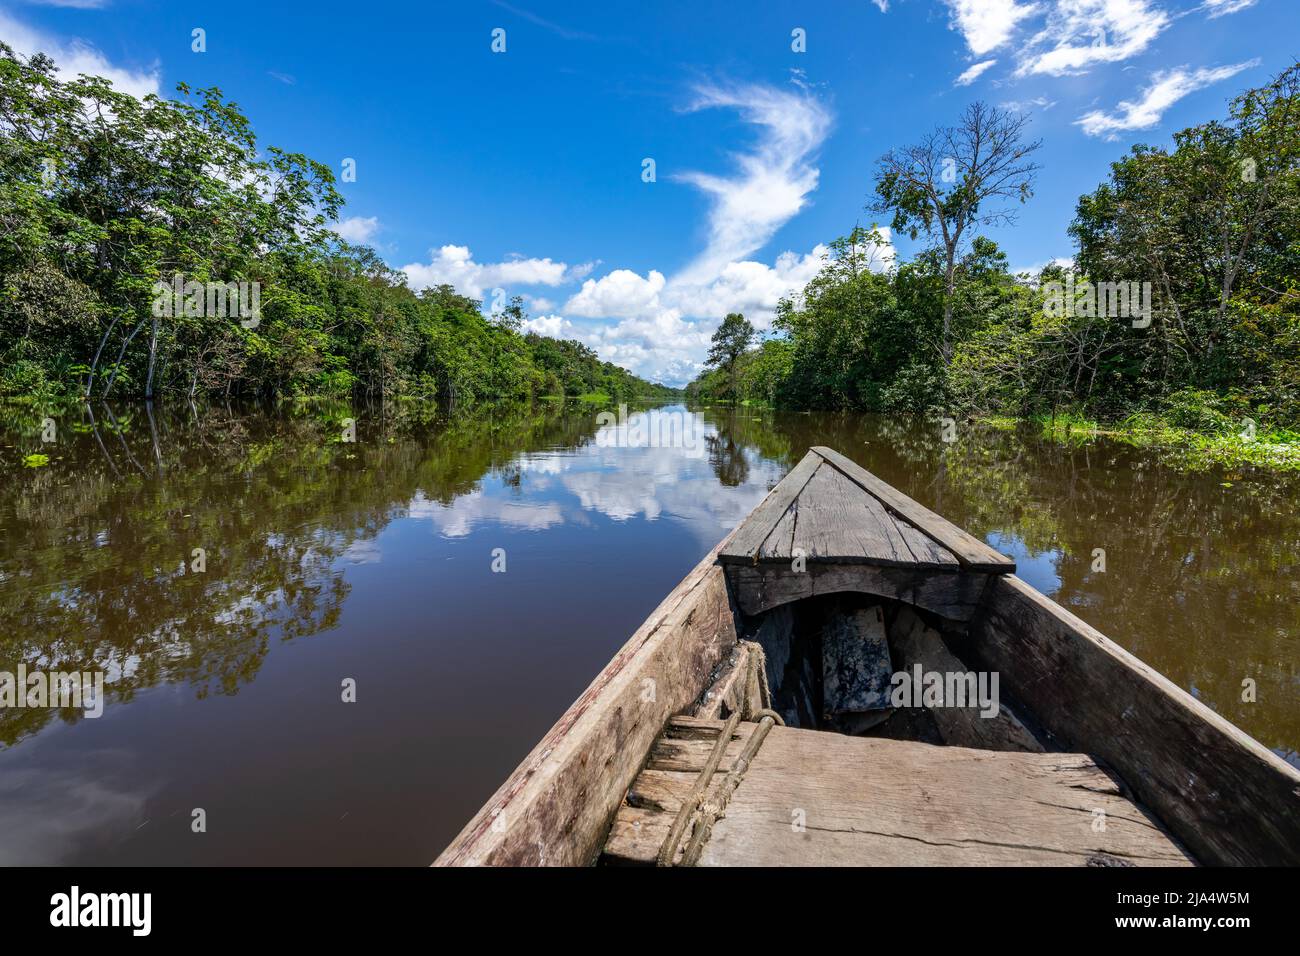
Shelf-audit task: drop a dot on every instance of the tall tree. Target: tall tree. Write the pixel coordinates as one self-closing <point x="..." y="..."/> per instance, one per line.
<point x="731" y="339"/>
<point x="955" y="179"/>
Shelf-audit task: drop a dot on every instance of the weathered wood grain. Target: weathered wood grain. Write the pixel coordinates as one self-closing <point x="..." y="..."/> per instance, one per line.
<point x="753" y="531"/>
<point x="726" y="693"/>
<point x="971" y="552"/>
<point x="839" y="522"/>
<point x="642" y="822"/>
<point x="819" y="799"/>
<point x="1224" y="795"/>
<point x="779" y="545"/>
<point x="556" y="807"/>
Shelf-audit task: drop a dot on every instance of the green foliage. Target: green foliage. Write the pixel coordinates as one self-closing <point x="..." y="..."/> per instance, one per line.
<point x="1213" y="224"/>
<point x="103" y="195"/>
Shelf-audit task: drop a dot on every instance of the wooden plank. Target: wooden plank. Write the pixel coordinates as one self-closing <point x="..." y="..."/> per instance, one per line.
<point x="746" y="540"/>
<point x="643" y="821"/>
<point x="953" y="594"/>
<point x="688" y="756"/>
<point x="820" y="799"/>
<point x="926" y="552"/>
<point x="1228" y="798"/>
<point x="778" y="545"/>
<point x="557" y="805"/>
<point x="727" y="690"/>
<point x="839" y="522"/>
<point x="973" y="553"/>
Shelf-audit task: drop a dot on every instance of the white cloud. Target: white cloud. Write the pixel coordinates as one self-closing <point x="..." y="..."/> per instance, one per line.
<point x="76" y="56"/>
<point x="1026" y="106"/>
<point x="1221" y="8"/>
<point x="454" y="265"/>
<point x="988" y="24"/>
<point x="357" y="229"/>
<point x="1166" y="88"/>
<point x="974" y="72"/>
<point x="882" y="5"/>
<point x="1081" y="33"/>
<point x="71" y="4"/>
<point x="618" y="293"/>
<point x="1037" y="267"/>
<point x="552" y="326"/>
<point x="771" y="183"/>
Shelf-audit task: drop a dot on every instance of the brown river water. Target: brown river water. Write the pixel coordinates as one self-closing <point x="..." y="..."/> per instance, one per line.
<point x="370" y="564"/>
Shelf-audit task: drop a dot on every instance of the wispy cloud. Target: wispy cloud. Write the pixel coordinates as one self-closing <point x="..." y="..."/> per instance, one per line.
<point x="974" y="72"/>
<point x="282" y="77"/>
<point x="1221" y="8"/>
<point x="1166" y="88"/>
<point x="555" y="28"/>
<point x="771" y="182"/>
<point x="70" y="4"/>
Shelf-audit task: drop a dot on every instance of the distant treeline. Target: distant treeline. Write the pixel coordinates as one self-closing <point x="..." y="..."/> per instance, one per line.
<point x="104" y="196"/>
<point x="1210" y="228"/>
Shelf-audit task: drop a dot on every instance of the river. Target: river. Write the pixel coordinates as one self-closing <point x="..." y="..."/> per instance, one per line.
<point x="325" y="651"/>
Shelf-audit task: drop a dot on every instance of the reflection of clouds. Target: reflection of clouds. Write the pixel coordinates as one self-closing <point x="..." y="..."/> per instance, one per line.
<point x="622" y="481"/>
<point x="48" y="814"/>
<point x="365" y="551"/>
<point x="459" y="518"/>
<point x="536" y="464"/>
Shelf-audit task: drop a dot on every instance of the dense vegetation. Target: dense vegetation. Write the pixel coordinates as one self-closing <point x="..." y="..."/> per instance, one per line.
<point x="102" y="196"/>
<point x="1213" y="223"/>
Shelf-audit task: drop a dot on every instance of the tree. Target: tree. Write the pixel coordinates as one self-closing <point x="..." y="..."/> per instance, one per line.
<point x="731" y="339"/>
<point x="953" y="180"/>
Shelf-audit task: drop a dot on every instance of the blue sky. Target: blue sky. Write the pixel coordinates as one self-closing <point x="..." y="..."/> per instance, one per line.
<point x="523" y="170"/>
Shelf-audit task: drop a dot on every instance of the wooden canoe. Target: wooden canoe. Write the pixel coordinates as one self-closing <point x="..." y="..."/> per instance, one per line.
<point x="780" y="639"/>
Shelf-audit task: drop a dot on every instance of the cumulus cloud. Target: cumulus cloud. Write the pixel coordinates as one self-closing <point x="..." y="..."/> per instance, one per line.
<point x="552" y="326"/>
<point x="988" y="24"/>
<point x="357" y="229"/>
<point x="618" y="293"/>
<point x="76" y="56"/>
<point x="974" y="72"/>
<point x="455" y="266"/>
<point x="1081" y="33"/>
<point x="1166" y="88"/>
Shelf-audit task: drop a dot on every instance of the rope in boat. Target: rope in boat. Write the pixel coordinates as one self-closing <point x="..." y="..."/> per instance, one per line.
<point x="693" y="808"/>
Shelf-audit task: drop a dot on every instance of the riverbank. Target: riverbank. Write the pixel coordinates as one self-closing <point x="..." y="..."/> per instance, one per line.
<point x="1273" y="448"/>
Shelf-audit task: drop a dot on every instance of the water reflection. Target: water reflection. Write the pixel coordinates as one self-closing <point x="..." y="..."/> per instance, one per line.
<point x="371" y="560"/>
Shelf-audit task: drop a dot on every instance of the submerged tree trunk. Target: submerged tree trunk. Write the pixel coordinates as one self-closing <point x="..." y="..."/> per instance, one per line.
<point x="90" y="377"/>
<point x="153" y="355"/>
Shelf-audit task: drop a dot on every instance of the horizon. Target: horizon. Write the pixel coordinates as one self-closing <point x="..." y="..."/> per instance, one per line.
<point x="524" y="170"/>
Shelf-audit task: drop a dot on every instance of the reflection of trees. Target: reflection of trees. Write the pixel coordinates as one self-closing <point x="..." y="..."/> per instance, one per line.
<point x="728" y="460"/>
<point x="95" y="559"/>
<point x="1202" y="580"/>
